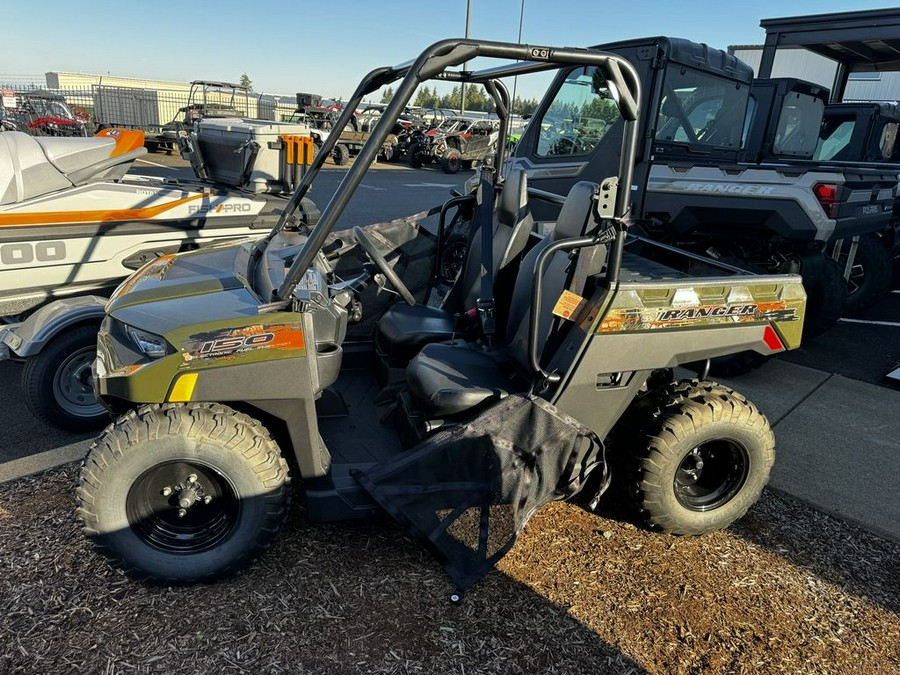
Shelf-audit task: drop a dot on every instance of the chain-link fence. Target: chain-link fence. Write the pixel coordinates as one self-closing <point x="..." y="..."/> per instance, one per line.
<point x="30" y="107"/>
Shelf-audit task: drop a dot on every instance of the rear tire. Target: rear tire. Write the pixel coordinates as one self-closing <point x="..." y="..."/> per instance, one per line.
<point x="453" y="256"/>
<point x="56" y="382"/>
<point x="826" y="299"/>
<point x="870" y="276"/>
<point x="153" y="462"/>
<point x="705" y="458"/>
<point x="341" y="154"/>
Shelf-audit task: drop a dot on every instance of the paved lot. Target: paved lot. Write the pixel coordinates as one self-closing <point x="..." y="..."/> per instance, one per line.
<point x="375" y="201"/>
<point x="838" y="426"/>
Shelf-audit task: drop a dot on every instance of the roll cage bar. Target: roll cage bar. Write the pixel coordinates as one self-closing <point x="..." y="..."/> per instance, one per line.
<point x="621" y="78"/>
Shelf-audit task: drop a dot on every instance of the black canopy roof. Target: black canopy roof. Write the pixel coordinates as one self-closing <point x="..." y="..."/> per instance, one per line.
<point x="858" y="41"/>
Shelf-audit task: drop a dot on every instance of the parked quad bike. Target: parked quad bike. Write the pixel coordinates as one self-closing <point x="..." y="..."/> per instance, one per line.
<point x="42" y="113"/>
<point x="223" y="363"/>
<point x="456" y="143"/>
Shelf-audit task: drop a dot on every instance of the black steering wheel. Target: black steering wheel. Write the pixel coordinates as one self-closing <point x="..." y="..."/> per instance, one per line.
<point x="375" y="256"/>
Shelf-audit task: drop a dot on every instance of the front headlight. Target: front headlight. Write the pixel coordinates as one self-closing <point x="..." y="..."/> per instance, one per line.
<point x="148" y="344"/>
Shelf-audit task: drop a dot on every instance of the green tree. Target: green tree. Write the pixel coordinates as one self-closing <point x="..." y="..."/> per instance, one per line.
<point x="477" y="99"/>
<point x="524" y="106"/>
<point x="245" y="81"/>
<point x="450" y="100"/>
<point x="427" y="98"/>
<point x="387" y="95"/>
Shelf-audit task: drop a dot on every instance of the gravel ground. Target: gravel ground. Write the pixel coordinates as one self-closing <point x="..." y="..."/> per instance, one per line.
<point x="787" y="590"/>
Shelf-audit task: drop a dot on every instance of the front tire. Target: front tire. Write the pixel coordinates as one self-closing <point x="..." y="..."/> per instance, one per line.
<point x="415" y="156"/>
<point x="56" y="382"/>
<point x="183" y="493"/>
<point x="705" y="458"/>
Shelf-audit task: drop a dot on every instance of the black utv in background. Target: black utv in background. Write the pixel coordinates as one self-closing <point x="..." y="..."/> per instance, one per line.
<point x="702" y="194"/>
<point x="793" y="123"/>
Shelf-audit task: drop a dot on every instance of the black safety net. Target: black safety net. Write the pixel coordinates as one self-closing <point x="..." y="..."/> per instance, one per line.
<point x="467" y="491"/>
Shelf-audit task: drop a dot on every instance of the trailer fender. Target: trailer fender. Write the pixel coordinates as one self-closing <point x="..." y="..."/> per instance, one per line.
<point x="29" y="337"/>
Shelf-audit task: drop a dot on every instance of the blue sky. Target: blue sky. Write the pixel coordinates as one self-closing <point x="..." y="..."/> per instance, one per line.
<point x="326" y="47"/>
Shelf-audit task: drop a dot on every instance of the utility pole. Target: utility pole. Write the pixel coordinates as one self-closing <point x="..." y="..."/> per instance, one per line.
<point x="462" y="85"/>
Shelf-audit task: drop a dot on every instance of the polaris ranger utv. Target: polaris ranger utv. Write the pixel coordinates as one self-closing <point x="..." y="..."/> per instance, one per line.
<point x="700" y="196"/>
<point x="233" y="376"/>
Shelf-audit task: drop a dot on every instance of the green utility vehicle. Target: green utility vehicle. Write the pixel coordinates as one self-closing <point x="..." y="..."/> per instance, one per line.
<point x="236" y="381"/>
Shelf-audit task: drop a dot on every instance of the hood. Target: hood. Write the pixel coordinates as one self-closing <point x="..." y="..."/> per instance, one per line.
<point x="214" y="269"/>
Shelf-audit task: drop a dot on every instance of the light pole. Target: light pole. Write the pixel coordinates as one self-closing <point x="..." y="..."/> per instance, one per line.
<point x="462" y="85"/>
<point x="512" y="104"/>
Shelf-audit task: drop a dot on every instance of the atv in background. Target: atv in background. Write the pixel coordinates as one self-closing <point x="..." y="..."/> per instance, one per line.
<point x="403" y="131"/>
<point x="206" y="99"/>
<point x="457" y="143"/>
<point x="42" y="113"/>
<point x="321" y="120"/>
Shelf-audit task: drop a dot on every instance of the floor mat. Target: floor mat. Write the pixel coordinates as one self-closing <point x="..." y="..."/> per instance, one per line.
<point x="360" y="437"/>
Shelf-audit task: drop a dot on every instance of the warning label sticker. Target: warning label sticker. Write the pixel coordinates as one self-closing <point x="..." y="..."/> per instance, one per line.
<point x="568" y="305"/>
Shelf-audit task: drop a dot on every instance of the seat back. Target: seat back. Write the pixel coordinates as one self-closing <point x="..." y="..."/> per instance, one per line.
<point x="575" y="219"/>
<point x="513" y="211"/>
<point x="512" y="226"/>
<point x="25" y="171"/>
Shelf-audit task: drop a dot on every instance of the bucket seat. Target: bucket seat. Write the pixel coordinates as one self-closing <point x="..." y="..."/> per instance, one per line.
<point x="449" y="379"/>
<point x="403" y="329"/>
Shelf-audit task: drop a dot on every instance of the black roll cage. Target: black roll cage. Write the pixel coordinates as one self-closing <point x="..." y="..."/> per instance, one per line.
<point x="433" y="63"/>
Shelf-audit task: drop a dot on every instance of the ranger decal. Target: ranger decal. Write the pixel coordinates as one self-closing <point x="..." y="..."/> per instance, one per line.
<point x="703" y="312"/>
<point x="636" y="319"/>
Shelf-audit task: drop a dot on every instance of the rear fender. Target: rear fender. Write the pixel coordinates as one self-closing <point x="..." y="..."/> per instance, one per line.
<point x="29" y="337"/>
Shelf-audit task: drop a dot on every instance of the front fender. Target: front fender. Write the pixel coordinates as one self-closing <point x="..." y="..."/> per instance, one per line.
<point x="29" y="337"/>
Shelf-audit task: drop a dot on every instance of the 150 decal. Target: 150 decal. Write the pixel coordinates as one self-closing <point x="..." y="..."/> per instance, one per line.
<point x="233" y="342"/>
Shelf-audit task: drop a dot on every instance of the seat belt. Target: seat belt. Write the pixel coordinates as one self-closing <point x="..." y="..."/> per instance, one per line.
<point x="485" y="207"/>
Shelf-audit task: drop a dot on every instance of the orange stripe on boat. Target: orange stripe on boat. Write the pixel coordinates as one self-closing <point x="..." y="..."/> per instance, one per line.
<point x="57" y="218"/>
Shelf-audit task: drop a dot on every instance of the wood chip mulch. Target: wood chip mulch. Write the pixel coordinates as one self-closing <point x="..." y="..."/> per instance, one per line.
<point x="786" y="590"/>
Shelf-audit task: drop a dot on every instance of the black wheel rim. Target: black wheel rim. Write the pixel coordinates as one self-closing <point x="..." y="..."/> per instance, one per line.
<point x="857" y="273"/>
<point x="857" y="278"/>
<point x="453" y="259"/>
<point x="159" y="513"/>
<point x="711" y="474"/>
<point x="72" y="388"/>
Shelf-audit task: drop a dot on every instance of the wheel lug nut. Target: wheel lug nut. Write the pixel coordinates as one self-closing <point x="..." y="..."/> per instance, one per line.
<point x="192" y="478"/>
<point x="207" y="499"/>
<point x="166" y="491"/>
<point x="182" y="513"/>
